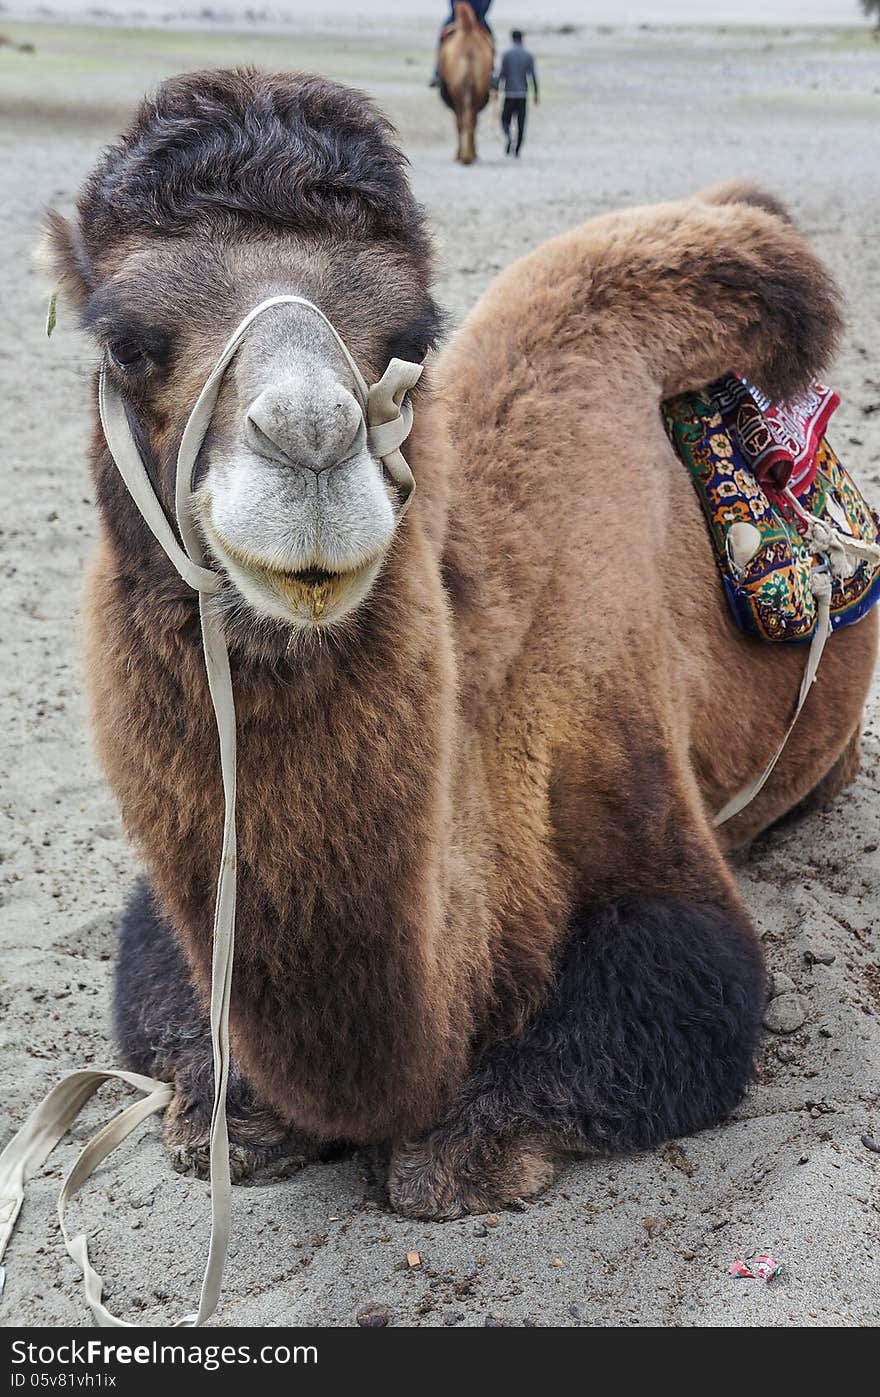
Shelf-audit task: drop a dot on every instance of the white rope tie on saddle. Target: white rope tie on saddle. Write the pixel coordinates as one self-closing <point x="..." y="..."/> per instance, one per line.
<point x="388" y="416"/>
<point x="844" y="551"/>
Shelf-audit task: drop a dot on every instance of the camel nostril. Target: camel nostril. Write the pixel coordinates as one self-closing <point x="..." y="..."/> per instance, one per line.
<point x="260" y="439"/>
<point x="308" y="432"/>
<point x="272" y="443"/>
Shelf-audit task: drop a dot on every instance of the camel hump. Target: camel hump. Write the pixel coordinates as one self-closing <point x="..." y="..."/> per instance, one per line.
<point x="729" y="285"/>
<point x="741" y="191"/>
<point x="719" y="283"/>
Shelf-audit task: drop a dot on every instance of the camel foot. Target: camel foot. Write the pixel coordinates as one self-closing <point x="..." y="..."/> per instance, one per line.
<point x="438" y="1179"/>
<point x="256" y="1138"/>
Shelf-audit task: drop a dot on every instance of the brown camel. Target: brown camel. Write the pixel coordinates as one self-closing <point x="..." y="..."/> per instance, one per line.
<point x="484" y="917"/>
<point x="465" y="63"/>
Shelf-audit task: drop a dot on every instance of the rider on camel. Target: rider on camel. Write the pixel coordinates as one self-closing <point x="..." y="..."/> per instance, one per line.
<point x="481" y="9"/>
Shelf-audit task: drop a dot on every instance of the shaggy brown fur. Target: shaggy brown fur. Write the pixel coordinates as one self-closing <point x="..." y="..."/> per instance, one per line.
<point x="465" y="64"/>
<point x="480" y="894"/>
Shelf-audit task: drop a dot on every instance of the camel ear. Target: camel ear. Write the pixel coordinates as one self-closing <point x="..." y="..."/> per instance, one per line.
<point x="62" y="257"/>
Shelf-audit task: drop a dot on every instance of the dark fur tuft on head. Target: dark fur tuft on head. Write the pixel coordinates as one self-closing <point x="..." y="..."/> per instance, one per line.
<point x="286" y="150"/>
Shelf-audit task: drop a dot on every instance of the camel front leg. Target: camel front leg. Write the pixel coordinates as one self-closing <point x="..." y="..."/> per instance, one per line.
<point x="163" y="1031"/>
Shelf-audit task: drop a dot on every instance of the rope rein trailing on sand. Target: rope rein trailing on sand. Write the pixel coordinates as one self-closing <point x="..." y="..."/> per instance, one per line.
<point x="388" y="416"/>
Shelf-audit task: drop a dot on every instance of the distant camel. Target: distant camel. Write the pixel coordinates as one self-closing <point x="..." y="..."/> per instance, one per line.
<point x="483" y="914"/>
<point x="465" y="64"/>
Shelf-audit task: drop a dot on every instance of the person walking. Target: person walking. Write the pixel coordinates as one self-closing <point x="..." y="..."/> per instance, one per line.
<point x="517" y="69"/>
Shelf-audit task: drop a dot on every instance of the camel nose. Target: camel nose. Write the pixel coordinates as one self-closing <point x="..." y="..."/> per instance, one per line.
<point x="307" y="425"/>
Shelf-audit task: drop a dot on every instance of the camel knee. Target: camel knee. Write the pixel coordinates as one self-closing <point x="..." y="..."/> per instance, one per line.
<point x="649" y="1031"/>
<point x="651" y="1028"/>
<point x="840" y="775"/>
<point x="257" y="1136"/>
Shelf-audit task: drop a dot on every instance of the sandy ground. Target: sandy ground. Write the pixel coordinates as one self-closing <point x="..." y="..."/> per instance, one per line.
<point x="627" y="117"/>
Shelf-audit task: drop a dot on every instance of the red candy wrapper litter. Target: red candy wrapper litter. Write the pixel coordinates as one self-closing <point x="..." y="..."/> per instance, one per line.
<point x="762" y="1267"/>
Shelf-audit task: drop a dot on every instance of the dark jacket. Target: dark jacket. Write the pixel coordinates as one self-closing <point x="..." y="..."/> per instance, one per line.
<point x="517" y="68"/>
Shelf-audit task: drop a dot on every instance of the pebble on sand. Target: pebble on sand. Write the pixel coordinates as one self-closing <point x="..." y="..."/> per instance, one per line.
<point x="820" y="957"/>
<point x="373" y="1316"/>
<point x="785" y="1013"/>
<point x="780" y="984"/>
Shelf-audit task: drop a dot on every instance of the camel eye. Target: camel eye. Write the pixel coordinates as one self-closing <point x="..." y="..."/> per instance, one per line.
<point x="126" y="353"/>
<point x="414" y="339"/>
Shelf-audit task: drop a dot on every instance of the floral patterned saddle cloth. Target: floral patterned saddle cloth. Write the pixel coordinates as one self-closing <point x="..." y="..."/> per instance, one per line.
<point x="783" y="513"/>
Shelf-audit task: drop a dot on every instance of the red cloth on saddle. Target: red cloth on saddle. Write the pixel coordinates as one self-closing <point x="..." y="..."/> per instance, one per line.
<point x="779" y="441"/>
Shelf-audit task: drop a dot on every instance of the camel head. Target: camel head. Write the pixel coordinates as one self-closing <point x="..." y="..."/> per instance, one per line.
<point x="229" y="188"/>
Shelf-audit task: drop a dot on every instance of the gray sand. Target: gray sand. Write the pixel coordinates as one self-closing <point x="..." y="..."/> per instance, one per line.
<point x="628" y="117"/>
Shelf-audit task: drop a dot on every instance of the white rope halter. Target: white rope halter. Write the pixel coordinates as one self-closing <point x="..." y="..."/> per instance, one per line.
<point x="388" y="416"/>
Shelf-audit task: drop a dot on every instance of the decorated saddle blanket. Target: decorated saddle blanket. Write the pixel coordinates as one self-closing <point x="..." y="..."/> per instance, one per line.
<point x="780" y="506"/>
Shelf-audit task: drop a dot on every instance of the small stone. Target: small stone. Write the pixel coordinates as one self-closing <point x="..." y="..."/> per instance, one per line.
<point x="494" y="1321"/>
<point x="413" y="1258"/>
<point x="804" y="1159"/>
<point x="820" y="957"/>
<point x="492" y="1220"/>
<point x="481" y="1230"/>
<point x="675" y="1155"/>
<point x="575" y="1311"/>
<point x="452" y="1317"/>
<point x="780" y="984"/>
<point x="556" y="1261"/>
<point x="871" y="1144"/>
<point x="373" y="1316"/>
<point x="649" y="1224"/>
<point x="786" y="1053"/>
<point x="785" y="1013"/>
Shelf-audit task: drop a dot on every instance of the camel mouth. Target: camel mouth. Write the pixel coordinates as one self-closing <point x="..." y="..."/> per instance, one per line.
<point x="315" y="597"/>
<point x="311" y="577"/>
<point x="309" y="597"/>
